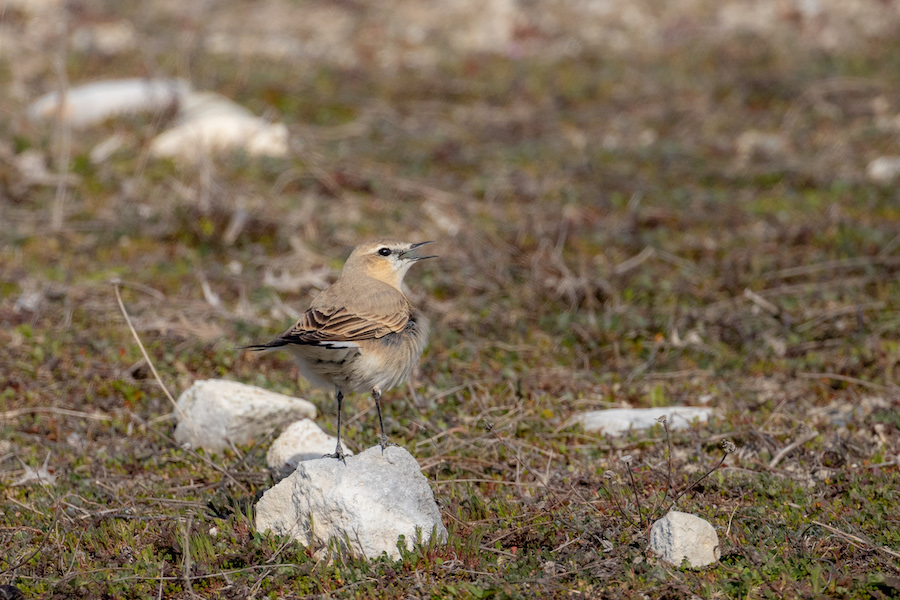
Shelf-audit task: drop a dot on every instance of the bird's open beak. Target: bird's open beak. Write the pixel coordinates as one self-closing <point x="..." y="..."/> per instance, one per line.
<point x="411" y="254"/>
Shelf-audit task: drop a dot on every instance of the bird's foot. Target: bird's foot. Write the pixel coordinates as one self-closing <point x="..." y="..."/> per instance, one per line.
<point x="385" y="444"/>
<point x="338" y="455"/>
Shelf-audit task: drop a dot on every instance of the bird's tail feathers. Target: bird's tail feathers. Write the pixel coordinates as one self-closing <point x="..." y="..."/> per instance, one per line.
<point x="281" y="342"/>
<point x="273" y="345"/>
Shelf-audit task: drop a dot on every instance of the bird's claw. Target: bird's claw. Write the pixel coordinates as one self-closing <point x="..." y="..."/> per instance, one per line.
<point x="338" y="455"/>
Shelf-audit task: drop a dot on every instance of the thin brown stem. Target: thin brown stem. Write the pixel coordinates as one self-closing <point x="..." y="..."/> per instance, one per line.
<point x="705" y="475"/>
<point x="637" y="499"/>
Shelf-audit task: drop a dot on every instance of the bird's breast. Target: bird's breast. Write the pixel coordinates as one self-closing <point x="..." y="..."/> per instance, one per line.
<point x="386" y="362"/>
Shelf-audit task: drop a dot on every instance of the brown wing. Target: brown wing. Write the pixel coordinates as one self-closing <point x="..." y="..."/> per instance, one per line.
<point x="345" y="313"/>
<point x="341" y="325"/>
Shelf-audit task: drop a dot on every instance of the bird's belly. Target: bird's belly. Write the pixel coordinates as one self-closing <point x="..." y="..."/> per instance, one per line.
<point x="325" y="367"/>
<point x="386" y="362"/>
<point x="375" y="369"/>
<point x="382" y="362"/>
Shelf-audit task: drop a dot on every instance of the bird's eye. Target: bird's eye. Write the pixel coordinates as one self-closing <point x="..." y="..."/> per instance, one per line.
<point x="384" y="251"/>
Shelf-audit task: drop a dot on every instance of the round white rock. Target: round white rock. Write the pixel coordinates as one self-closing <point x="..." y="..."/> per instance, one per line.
<point x="678" y="536"/>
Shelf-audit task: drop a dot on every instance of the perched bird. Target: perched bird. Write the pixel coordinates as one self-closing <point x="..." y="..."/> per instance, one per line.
<point x="361" y="333"/>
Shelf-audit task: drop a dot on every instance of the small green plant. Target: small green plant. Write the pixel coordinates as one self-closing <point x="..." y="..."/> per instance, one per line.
<point x="659" y="506"/>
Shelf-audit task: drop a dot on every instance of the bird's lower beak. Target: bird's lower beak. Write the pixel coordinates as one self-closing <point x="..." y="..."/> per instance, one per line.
<point x="412" y="253"/>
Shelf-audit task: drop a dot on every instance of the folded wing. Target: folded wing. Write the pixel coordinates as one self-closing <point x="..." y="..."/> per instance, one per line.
<point x="339" y="326"/>
<point x="344" y="315"/>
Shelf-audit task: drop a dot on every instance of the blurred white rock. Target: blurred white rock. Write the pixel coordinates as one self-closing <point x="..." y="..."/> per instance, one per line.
<point x="617" y="421"/>
<point x="214" y="414"/>
<point x="32" y="165"/>
<point x="92" y="103"/>
<point x="31" y="298"/>
<point x="884" y="169"/>
<point x="364" y="506"/>
<point x="678" y="536"/>
<point x="208" y="123"/>
<point x="302" y="440"/>
<point x="42" y="474"/>
<point x="211" y="123"/>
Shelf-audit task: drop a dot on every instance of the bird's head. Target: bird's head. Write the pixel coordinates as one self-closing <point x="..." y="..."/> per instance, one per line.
<point x="384" y="259"/>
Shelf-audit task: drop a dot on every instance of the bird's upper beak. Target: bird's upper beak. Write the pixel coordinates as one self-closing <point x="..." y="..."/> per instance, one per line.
<point x="412" y="253"/>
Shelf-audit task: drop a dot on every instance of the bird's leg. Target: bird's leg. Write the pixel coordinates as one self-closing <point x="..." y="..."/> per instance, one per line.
<point x="376" y="395"/>
<point x="338" y="451"/>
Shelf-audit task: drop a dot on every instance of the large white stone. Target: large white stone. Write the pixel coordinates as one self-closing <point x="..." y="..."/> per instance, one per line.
<point x="92" y="103"/>
<point x="210" y="123"/>
<point x="302" y="440"/>
<point x="678" y="536"/>
<point x="617" y="421"/>
<point x="215" y="413"/>
<point x="364" y="505"/>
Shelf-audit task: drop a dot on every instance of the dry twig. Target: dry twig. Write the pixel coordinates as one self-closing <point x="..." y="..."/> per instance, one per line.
<point x="791" y="447"/>
<point x="857" y="540"/>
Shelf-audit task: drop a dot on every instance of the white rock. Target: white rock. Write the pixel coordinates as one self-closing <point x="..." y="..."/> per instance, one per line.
<point x="93" y="103"/>
<point x="617" y="421"/>
<point x="211" y="123"/>
<point x="681" y="535"/>
<point x="364" y="505"/>
<point x="32" y="165"/>
<point x="215" y="412"/>
<point x="303" y="440"/>
<point x="884" y="169"/>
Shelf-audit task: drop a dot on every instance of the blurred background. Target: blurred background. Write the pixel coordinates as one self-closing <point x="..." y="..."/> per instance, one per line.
<point x="635" y="204"/>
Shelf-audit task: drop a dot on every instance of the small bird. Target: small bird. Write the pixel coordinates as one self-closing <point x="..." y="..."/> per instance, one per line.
<point x="361" y="334"/>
